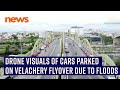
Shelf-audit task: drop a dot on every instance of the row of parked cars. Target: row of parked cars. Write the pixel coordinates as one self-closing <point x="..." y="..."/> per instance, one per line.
<point x="86" y="51"/>
<point x="34" y="54"/>
<point x="39" y="51"/>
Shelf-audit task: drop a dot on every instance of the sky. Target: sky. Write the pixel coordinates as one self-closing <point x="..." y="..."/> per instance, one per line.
<point x="60" y="20"/>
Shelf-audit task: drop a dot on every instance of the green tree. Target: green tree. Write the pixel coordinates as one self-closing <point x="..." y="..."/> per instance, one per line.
<point x="32" y="40"/>
<point x="25" y="51"/>
<point x="16" y="39"/>
<point x="16" y="51"/>
<point x="107" y="39"/>
<point x="117" y="62"/>
<point x="17" y="43"/>
<point x="7" y="50"/>
<point x="1" y="63"/>
<point x="30" y="47"/>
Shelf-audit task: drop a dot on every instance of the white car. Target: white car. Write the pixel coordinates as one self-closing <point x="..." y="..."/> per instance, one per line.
<point x="91" y="55"/>
<point x="79" y="45"/>
<point x="66" y="45"/>
<point x="43" y="47"/>
<point x="66" y="51"/>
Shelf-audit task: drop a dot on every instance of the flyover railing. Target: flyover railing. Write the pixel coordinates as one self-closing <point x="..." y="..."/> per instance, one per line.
<point x="106" y="59"/>
<point x="36" y="47"/>
<point x="87" y="48"/>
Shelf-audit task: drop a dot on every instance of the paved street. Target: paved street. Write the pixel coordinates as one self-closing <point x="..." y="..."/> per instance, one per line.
<point x="52" y="50"/>
<point x="75" y="49"/>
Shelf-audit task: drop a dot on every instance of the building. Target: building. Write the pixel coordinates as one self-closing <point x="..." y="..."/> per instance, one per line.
<point x="77" y="29"/>
<point x="93" y="39"/>
<point x="116" y="41"/>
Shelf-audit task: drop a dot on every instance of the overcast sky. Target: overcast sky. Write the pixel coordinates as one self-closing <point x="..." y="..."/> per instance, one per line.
<point x="57" y="20"/>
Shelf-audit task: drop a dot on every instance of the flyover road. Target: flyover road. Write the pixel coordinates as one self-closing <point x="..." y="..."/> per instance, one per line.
<point x="52" y="50"/>
<point x="72" y="50"/>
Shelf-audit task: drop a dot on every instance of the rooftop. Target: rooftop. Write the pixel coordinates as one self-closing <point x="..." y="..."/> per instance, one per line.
<point x="89" y="35"/>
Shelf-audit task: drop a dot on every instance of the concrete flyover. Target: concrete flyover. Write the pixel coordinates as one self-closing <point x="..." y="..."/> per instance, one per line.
<point x="87" y="48"/>
<point x="56" y="49"/>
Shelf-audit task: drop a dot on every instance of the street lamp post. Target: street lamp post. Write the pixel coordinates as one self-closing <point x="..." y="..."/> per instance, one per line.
<point x="103" y="48"/>
<point x="20" y="46"/>
<point x="113" y="43"/>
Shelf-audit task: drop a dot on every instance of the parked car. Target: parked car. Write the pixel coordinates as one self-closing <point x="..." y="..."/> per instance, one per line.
<point x="43" y="47"/>
<point x="75" y="53"/>
<point x="35" y="54"/>
<point x="66" y="45"/>
<point x="79" y="45"/>
<point x="66" y="51"/>
<point x="91" y="55"/>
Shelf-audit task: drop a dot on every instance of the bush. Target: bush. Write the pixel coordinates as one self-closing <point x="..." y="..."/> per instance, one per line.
<point x="2" y="52"/>
<point x="107" y="39"/>
<point x="117" y="62"/>
<point x="25" y="51"/>
<point x="1" y="63"/>
<point x="30" y="47"/>
<point x="7" y="50"/>
<point x="15" y="51"/>
<point x="12" y="47"/>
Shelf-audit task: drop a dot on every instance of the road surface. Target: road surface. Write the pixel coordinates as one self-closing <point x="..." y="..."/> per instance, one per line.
<point x="72" y="50"/>
<point x="52" y="50"/>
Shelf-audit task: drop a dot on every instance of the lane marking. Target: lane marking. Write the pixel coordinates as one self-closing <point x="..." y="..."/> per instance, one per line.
<point x="53" y="50"/>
